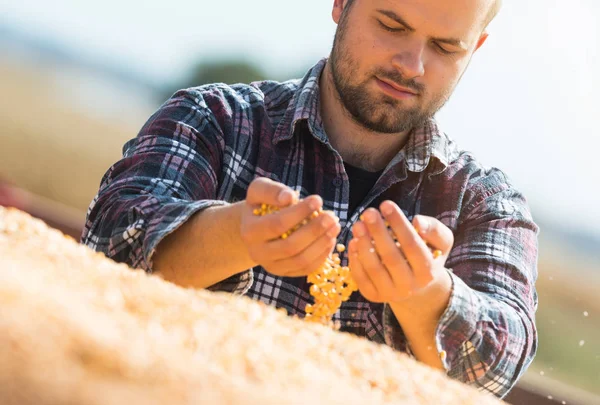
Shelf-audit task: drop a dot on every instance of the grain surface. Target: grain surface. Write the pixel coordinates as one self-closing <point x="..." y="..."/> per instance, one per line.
<point x="77" y="328"/>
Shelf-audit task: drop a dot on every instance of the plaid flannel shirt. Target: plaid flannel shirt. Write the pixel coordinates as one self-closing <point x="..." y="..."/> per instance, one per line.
<point x="205" y="145"/>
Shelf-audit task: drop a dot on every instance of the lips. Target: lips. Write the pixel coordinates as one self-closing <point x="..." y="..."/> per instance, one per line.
<point x="398" y="87"/>
<point x="395" y="91"/>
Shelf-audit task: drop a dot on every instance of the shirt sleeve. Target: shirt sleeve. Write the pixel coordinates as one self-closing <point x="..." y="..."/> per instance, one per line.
<point x="487" y="335"/>
<point x="169" y="172"/>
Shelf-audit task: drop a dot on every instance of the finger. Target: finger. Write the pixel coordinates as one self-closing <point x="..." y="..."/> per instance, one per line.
<point x="266" y="191"/>
<point x="389" y="253"/>
<point x="326" y="224"/>
<point x="413" y="246"/>
<point x="364" y="283"/>
<point x="309" y="260"/>
<point x="369" y="259"/>
<point x="273" y="226"/>
<point x="434" y="233"/>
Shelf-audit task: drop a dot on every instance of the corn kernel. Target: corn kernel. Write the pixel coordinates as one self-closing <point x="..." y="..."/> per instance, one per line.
<point x="332" y="284"/>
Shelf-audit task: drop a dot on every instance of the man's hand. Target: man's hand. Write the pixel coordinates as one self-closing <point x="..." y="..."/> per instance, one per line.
<point x="409" y="278"/>
<point x="304" y="250"/>
<point x="390" y="274"/>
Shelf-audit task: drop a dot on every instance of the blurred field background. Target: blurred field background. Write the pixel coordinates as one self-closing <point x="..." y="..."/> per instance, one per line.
<point x="67" y="106"/>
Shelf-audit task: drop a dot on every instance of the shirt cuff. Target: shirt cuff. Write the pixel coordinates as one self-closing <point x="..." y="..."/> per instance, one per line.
<point x="167" y="219"/>
<point x="458" y="324"/>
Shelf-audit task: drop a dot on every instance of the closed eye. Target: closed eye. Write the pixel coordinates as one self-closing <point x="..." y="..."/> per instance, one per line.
<point x="442" y="49"/>
<point x="390" y="29"/>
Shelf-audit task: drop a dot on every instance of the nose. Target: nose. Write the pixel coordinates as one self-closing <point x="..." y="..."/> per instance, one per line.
<point x="409" y="60"/>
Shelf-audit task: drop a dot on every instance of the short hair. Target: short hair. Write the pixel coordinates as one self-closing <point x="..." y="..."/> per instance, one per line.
<point x="491" y="14"/>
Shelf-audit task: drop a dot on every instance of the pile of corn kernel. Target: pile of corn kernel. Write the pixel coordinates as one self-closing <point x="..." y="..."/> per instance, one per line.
<point x="332" y="283"/>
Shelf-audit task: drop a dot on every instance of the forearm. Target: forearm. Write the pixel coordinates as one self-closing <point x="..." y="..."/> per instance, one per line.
<point x="205" y="250"/>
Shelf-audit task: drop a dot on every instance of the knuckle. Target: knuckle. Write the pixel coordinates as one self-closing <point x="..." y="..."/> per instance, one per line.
<point x="303" y="261"/>
<point x="256" y="184"/>
<point x="388" y="261"/>
<point x="328" y="248"/>
<point x="289" y="249"/>
<point x="411" y="242"/>
<point x="316" y="228"/>
<point x="278" y="225"/>
<point x="426" y="268"/>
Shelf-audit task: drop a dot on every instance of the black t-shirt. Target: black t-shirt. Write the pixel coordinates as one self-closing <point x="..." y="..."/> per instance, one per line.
<point x="361" y="182"/>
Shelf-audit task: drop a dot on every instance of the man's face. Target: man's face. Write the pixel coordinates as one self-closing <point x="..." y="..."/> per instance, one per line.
<point x="395" y="62"/>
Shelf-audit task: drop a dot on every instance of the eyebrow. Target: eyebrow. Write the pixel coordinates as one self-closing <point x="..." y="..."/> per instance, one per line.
<point x="450" y="41"/>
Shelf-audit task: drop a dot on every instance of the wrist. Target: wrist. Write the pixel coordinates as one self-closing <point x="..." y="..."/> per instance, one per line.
<point x="423" y="311"/>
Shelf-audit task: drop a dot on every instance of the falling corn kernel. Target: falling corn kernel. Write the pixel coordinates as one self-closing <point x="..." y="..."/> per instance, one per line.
<point x="443" y="355"/>
<point x="332" y="283"/>
<point x="437" y="253"/>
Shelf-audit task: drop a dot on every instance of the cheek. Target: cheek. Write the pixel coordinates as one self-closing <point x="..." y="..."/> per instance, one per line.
<point x="442" y="76"/>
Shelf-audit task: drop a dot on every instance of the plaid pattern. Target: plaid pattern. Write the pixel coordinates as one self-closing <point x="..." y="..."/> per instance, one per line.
<point x="205" y="145"/>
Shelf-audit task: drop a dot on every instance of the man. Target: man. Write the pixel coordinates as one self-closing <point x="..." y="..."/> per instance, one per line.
<point x="356" y="137"/>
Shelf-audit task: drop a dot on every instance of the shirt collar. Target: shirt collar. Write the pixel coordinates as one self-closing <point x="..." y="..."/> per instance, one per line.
<point x="423" y="143"/>
<point x="304" y="105"/>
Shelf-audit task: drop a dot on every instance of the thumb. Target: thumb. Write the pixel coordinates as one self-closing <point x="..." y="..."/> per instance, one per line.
<point x="266" y="191"/>
<point x="434" y="233"/>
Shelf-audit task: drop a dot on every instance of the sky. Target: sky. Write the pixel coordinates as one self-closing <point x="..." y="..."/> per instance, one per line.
<point x="527" y="104"/>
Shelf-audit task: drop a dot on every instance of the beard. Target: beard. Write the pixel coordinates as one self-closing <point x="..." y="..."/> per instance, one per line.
<point x="377" y="112"/>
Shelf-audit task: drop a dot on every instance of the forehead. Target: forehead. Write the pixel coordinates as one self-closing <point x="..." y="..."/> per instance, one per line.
<point x="456" y="18"/>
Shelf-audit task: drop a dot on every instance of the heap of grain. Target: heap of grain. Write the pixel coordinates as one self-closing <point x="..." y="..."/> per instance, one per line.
<point x="77" y="328"/>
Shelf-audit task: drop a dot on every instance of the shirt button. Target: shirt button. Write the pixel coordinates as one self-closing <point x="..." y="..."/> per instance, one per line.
<point x="337" y="182"/>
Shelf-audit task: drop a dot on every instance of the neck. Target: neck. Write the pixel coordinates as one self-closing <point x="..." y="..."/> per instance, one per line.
<point x="356" y="144"/>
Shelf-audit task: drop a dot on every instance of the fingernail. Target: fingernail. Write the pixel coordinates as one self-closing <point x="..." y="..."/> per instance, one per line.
<point x="285" y="196"/>
<point x="358" y="230"/>
<point x="327" y="222"/>
<point x="333" y="232"/>
<point x="422" y="226"/>
<point x="314" y="204"/>
<point x="370" y="218"/>
<point x="386" y="209"/>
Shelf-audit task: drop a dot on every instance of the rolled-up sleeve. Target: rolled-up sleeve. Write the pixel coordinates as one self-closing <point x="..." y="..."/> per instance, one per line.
<point x="487" y="335"/>
<point x="169" y="172"/>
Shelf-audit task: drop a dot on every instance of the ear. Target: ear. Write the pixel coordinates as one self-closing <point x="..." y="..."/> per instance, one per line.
<point x="481" y="40"/>
<point x="338" y="9"/>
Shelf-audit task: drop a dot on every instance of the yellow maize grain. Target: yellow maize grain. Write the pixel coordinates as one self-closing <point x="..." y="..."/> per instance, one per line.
<point x="332" y="284"/>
